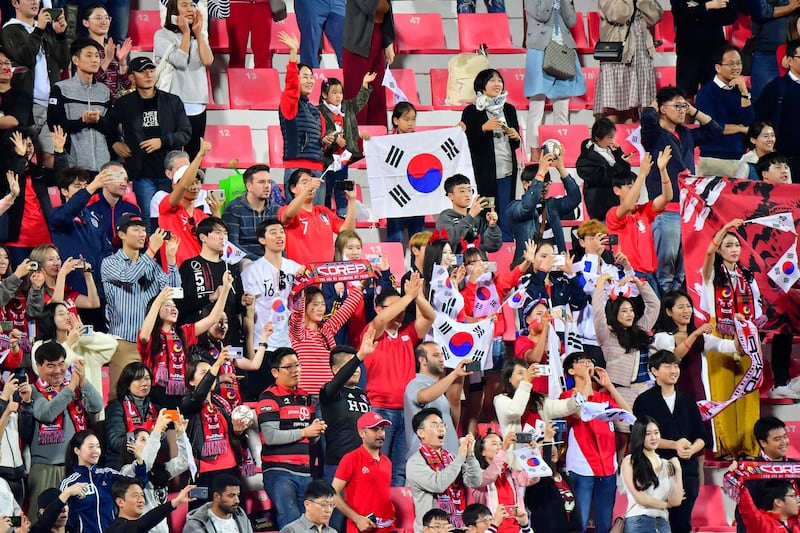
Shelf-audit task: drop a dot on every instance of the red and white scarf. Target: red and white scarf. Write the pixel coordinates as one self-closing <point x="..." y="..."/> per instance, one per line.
<point x="735" y="297"/>
<point x="452" y="500"/>
<point x="215" y="430"/>
<point x="170" y="364"/>
<point x="53" y="433"/>
<point x="134" y="419"/>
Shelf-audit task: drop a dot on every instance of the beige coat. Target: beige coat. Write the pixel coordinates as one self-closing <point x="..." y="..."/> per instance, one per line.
<point x="614" y="18"/>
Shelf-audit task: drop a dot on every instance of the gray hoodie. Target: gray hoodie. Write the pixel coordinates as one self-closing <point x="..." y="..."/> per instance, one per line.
<point x="199" y="521"/>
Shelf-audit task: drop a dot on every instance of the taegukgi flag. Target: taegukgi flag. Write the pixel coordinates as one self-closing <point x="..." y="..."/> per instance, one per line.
<point x="407" y="172"/>
<point x="461" y="341"/>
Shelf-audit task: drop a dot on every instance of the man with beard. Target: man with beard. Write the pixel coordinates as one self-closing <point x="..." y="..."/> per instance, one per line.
<point x="54" y="510"/>
<point x="367" y="473"/>
<point x="244" y="214"/>
<point x="128" y="494"/>
<point x="222" y="514"/>
<point x="428" y="389"/>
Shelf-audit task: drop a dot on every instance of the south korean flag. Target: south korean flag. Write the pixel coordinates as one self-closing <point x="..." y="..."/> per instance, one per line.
<point x="407" y="172"/>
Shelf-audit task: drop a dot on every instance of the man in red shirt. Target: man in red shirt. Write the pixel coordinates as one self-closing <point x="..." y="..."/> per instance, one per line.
<point x="775" y="513"/>
<point x="367" y="473"/>
<point x="310" y="229"/>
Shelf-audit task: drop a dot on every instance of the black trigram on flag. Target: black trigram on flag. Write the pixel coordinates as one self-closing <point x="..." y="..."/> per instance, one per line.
<point x="447" y="308"/>
<point x="399" y="195"/>
<point x="477" y="355"/>
<point x="449" y="149"/>
<point x="446" y="353"/>
<point x="445" y="328"/>
<point x="478" y="331"/>
<point x="394" y="156"/>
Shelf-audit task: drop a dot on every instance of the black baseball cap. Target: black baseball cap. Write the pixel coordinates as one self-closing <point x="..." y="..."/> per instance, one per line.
<point x="129" y="219"/>
<point x="140" y="64"/>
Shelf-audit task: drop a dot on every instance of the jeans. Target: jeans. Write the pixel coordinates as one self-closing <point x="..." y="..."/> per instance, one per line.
<point x="667" y="236"/>
<point x="286" y="492"/>
<point x="646" y="524"/>
<point x="501" y="206"/>
<point x="597" y="492"/>
<point x="314" y="17"/>
<point x="338" y="195"/>
<point x="396" y="226"/>
<point x="319" y="197"/>
<point x="145" y="189"/>
<point x="764" y="69"/>
<point x="492" y="6"/>
<point x="650" y="279"/>
<point x="680" y="518"/>
<point x="394" y="445"/>
<point x="198" y="123"/>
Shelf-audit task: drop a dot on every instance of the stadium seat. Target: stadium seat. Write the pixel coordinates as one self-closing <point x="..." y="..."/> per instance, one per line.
<point x="144" y="24"/>
<point x="289" y="25"/>
<point x="394" y="251"/>
<point x="709" y="511"/>
<point x="212" y="105"/>
<point x="665" y="32"/>
<point x="503" y="257"/>
<point x="177" y="518"/>
<point x="439" y="91"/>
<point x="664" y="76"/>
<point x="229" y="142"/>
<point x="407" y="81"/>
<point x="586" y="101"/>
<point x="620" y="505"/>
<point x="621" y="138"/>
<point x="320" y="75"/>
<point x="491" y="29"/>
<point x="578" y="32"/>
<point x="593" y="27"/>
<point x="420" y="33"/>
<point x="514" y="80"/>
<point x="55" y="196"/>
<point x="569" y="135"/>
<point x="404" y="509"/>
<point x="374" y="131"/>
<point x="218" y="36"/>
<point x="275" y="142"/>
<point x="246" y="89"/>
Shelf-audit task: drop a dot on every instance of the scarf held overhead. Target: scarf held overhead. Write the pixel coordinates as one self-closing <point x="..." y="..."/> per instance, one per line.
<point x="333" y="272"/>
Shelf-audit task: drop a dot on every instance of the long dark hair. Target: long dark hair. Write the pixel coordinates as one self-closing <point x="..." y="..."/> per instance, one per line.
<point x="665" y="322"/>
<point x="157" y="475"/>
<point x="721" y="277"/>
<point x="433" y="256"/>
<point x="9" y="270"/>
<point x="536" y="399"/>
<point x="46" y="330"/>
<point x="155" y="338"/>
<point x="131" y="372"/>
<point x="172" y="11"/>
<point x="77" y="440"/>
<point x="632" y="338"/>
<point x="643" y="474"/>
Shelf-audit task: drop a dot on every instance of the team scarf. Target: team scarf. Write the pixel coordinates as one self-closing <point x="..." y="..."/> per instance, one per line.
<point x="747" y="333"/>
<point x="452" y="499"/>
<point x="733" y="481"/>
<point x="170" y="364"/>
<point x="53" y="433"/>
<point x="229" y="392"/>
<point x="133" y="418"/>
<point x="735" y="297"/>
<point x="333" y="272"/>
<point x="215" y="429"/>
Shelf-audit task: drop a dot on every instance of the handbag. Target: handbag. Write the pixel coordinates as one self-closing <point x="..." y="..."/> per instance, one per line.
<point x="559" y="59"/>
<point x="611" y="51"/>
<point x="461" y="72"/>
<point x="164" y="70"/>
<point x="618" y="526"/>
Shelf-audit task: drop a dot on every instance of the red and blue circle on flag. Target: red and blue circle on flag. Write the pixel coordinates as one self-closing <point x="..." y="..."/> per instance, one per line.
<point x="424" y="173"/>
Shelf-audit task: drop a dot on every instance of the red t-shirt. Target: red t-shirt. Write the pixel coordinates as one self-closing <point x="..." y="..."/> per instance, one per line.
<point x="70" y="297"/>
<point x="522" y="345"/>
<point x="507" y="496"/>
<point x="182" y="225"/>
<point x="591" y="450"/>
<point x="34" y="230"/>
<point x="368" y="486"/>
<point x="391" y="367"/>
<point x="309" y="235"/>
<point x="635" y="231"/>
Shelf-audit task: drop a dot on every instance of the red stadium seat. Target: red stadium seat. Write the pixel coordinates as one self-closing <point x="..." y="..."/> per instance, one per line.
<point x="246" y="89"/>
<point x="320" y="75"/>
<point x="212" y="105"/>
<point x="144" y="24"/>
<point x="393" y="251"/>
<point x="404" y="509"/>
<point x="218" y="35"/>
<point x="177" y="518"/>
<point x="374" y="131"/>
<point x="623" y="131"/>
<point x="289" y="25"/>
<point x="593" y="27"/>
<point x="275" y="142"/>
<point x="407" y="81"/>
<point x="569" y="135"/>
<point x="578" y="32"/>
<point x="229" y="142"/>
<point x="620" y="505"/>
<point x="439" y="91"/>
<point x="664" y="76"/>
<point x="491" y="29"/>
<point x="586" y="101"/>
<point x="55" y="196"/>
<point x="709" y="512"/>
<point x="514" y="79"/>
<point x="665" y="32"/>
<point x="420" y="33"/>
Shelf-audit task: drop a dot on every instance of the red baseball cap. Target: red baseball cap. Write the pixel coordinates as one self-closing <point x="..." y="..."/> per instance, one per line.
<point x="372" y="420"/>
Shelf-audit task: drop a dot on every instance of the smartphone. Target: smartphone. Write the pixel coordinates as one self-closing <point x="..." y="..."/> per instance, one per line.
<point x="459" y="259"/>
<point x="490" y="202"/>
<point x="131" y="438"/>
<point x="492" y="266"/>
<point x="16" y="521"/>
<point x="544" y="370"/>
<point x="235" y="352"/>
<point x="174" y="19"/>
<point x="524" y="438"/>
<point x="21" y="375"/>
<point x="54" y="13"/>
<point x="33" y="265"/>
<point x="560" y="425"/>
<point x="87" y="329"/>
<point x="172" y="414"/>
<point x="344" y="185"/>
<point x="167" y="235"/>
<point x="118" y="176"/>
<point x="559" y="261"/>
<point x="374" y="259"/>
<point x="177" y="293"/>
<point x="6" y="326"/>
<point x="613" y="239"/>
<point x="371" y="516"/>
<point x="473" y="366"/>
<point x="201" y="493"/>
<point x="219" y="194"/>
<point x="80" y="264"/>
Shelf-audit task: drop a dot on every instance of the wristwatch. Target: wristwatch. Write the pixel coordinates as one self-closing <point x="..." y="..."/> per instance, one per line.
<point x="747" y="96"/>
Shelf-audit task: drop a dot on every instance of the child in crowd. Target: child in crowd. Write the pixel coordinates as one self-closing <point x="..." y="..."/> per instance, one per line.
<point x="341" y="132"/>
<point x="404" y="120"/>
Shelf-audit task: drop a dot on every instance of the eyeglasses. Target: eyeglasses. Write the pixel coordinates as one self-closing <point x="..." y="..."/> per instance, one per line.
<point x="296" y="366"/>
<point x="732" y="64"/>
<point x="437" y="425"/>
<point x="792" y="495"/>
<point x="584" y="362"/>
<point x="6" y="64"/>
<point x="439" y="527"/>
<point x="679" y="107"/>
<point x="101" y="19"/>
<point x="324" y="505"/>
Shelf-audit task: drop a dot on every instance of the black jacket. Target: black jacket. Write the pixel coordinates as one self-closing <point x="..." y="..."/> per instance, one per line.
<point x="598" y="178"/>
<point x="145" y="523"/>
<point x="117" y="431"/>
<point x="45" y="522"/>
<point x="23" y="47"/>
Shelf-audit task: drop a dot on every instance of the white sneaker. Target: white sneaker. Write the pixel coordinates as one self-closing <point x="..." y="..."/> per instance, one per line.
<point x="784" y="391"/>
<point x="794" y="384"/>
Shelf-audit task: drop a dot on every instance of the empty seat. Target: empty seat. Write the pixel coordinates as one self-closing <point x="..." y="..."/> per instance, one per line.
<point x="289" y="25"/>
<point x="275" y="142"/>
<point x="569" y="135"/>
<point x="665" y="32"/>
<point x="144" y="24"/>
<point x="514" y="79"/>
<point x="229" y="142"/>
<point x="491" y="29"/>
<point x="407" y="81"/>
<point x="593" y="27"/>
<point x="404" y="509"/>
<point x="621" y="138"/>
<point x="586" y="101"/>
<point x="578" y="31"/>
<point x="664" y="76"/>
<point x="218" y="35"/>
<point x="439" y="91"/>
<point x="420" y="33"/>
<point x="709" y="511"/>
<point x="246" y="88"/>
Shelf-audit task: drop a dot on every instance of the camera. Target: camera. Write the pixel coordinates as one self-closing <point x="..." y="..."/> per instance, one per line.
<point x="33" y="265"/>
<point x="473" y="366"/>
<point x="613" y="239"/>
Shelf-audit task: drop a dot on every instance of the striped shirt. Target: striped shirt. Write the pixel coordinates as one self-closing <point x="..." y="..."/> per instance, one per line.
<point x="282" y="415"/>
<point x="129" y="286"/>
<point x="242" y="221"/>
<point x="313" y="346"/>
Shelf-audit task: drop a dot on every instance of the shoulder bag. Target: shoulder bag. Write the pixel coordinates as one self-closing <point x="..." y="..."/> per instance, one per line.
<point x="559" y="59"/>
<point x="611" y="51"/>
